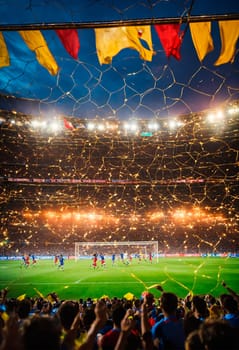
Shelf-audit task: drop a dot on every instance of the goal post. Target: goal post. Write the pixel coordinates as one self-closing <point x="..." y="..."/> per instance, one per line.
<point x="85" y="249"/>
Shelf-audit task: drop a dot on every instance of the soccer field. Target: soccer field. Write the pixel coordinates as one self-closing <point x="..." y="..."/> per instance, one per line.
<point x="78" y="280"/>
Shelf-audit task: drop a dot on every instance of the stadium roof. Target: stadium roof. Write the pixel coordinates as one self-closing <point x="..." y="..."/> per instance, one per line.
<point x="127" y="87"/>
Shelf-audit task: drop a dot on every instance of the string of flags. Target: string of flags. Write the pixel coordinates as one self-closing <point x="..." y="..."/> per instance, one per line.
<point x="110" y="41"/>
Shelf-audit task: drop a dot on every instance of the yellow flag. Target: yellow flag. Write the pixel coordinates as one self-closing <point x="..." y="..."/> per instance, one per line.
<point x="110" y="41"/>
<point x="5" y="316"/>
<point x="48" y="297"/>
<point x="39" y="293"/>
<point x="4" y="57"/>
<point x="202" y="39"/>
<point x="104" y="296"/>
<point x="21" y="297"/>
<point x="129" y="296"/>
<point x="36" y="42"/>
<point x="229" y="33"/>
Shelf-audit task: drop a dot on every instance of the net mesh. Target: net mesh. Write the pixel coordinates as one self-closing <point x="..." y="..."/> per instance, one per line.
<point x="178" y="186"/>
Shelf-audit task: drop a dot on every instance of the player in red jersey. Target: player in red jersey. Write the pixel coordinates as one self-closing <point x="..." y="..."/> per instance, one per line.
<point x="94" y="261"/>
<point x="56" y="259"/>
<point x="27" y="260"/>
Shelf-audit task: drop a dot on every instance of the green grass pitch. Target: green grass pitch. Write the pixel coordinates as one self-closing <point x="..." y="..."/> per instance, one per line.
<point x="180" y="275"/>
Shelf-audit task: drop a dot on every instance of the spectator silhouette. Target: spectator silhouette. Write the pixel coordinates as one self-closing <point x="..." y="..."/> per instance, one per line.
<point x="109" y="339"/>
<point x="230" y="309"/>
<point x="42" y="333"/>
<point x="197" y="314"/>
<point x="168" y="333"/>
<point x="218" y="335"/>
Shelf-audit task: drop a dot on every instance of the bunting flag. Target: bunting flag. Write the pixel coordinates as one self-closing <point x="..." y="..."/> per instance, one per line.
<point x="4" y="57"/>
<point x="36" y="42"/>
<point x="68" y="125"/>
<point x="70" y="41"/>
<point x="229" y="33"/>
<point x="170" y="38"/>
<point x="202" y="39"/>
<point x="110" y="41"/>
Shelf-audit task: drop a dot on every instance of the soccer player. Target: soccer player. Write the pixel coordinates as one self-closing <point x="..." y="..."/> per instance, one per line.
<point x="27" y="260"/>
<point x="122" y="257"/>
<point x="102" y="260"/>
<point x="56" y="258"/>
<point x="94" y="261"/>
<point x="23" y="261"/>
<point x="113" y="259"/>
<point x="130" y="259"/>
<point x="126" y="259"/>
<point x="61" y="262"/>
<point x="33" y="259"/>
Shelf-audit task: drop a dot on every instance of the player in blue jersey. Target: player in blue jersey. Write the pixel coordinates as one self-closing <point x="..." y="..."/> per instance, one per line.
<point x="113" y="259"/>
<point x="61" y="262"/>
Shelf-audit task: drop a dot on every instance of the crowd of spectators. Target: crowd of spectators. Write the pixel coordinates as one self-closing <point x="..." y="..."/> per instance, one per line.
<point x="167" y="322"/>
<point x="163" y="173"/>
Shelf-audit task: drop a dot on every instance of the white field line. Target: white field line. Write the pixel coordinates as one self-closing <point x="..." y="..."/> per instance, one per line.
<point x="72" y="283"/>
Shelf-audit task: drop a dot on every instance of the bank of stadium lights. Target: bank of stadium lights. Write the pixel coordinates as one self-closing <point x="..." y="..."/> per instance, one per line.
<point x="174" y="124"/>
<point x="96" y="126"/>
<point x="53" y="126"/>
<point x="102" y="126"/>
<point x="153" y="126"/>
<point x="131" y="127"/>
<point x="177" y="216"/>
<point x="233" y="110"/>
<point x="216" y="117"/>
<point x="38" y="124"/>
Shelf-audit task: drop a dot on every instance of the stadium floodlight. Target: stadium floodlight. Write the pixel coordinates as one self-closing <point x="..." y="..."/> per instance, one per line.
<point x="233" y="110"/>
<point x="38" y="124"/>
<point x="90" y="126"/>
<point x="216" y="117"/>
<point x="35" y="123"/>
<point x="54" y="127"/>
<point x="87" y="249"/>
<point x="131" y="127"/>
<point x="172" y="124"/>
<point x="153" y="126"/>
<point x="101" y="127"/>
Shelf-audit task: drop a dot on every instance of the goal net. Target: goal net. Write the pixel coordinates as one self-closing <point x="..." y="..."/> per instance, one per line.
<point x="145" y="248"/>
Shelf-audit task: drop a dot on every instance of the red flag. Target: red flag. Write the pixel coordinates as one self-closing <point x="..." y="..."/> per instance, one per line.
<point x="70" y="41"/>
<point x="169" y="35"/>
<point x="68" y="125"/>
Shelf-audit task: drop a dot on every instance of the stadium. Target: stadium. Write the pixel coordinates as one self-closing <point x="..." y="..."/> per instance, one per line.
<point x="132" y="156"/>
